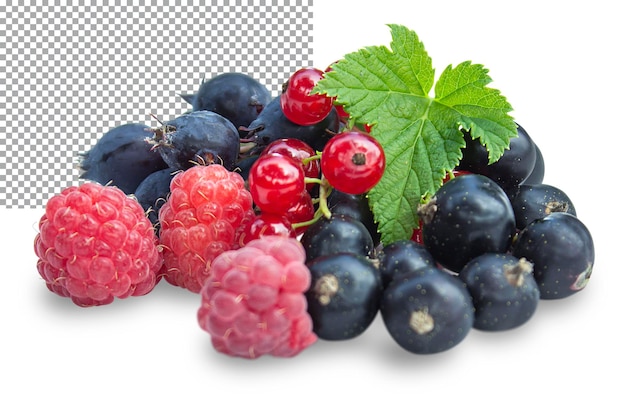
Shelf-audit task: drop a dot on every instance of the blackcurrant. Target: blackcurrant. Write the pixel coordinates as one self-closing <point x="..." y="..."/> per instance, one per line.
<point x="513" y="167"/>
<point x="539" y="169"/>
<point x="467" y="216"/>
<point x="503" y="289"/>
<point x="401" y="257"/>
<point x="355" y="206"/>
<point x="427" y="311"/>
<point x="532" y="202"/>
<point x="561" y="249"/>
<point x="337" y="234"/>
<point x="344" y="296"/>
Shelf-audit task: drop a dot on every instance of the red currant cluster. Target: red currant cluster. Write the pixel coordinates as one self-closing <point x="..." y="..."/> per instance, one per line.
<point x="288" y="172"/>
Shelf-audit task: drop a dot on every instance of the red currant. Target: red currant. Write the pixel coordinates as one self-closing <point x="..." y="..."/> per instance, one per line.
<point x="302" y="211"/>
<point x="298" y="150"/>
<point x="298" y="104"/>
<point x="276" y="183"/>
<point x="266" y="224"/>
<point x="353" y="162"/>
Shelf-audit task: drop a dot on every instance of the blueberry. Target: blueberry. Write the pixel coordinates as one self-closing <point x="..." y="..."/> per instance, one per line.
<point x="200" y="137"/>
<point x="272" y="124"/>
<point x="344" y="296"/>
<point x="532" y="202"/>
<point x="427" y="311"/>
<point x="513" y="167"/>
<point x="337" y="234"/>
<point x="153" y="192"/>
<point x="401" y="257"/>
<point x="561" y="249"/>
<point x="238" y="97"/>
<point x="121" y="157"/>
<point x="503" y="289"/>
<point x="467" y="216"/>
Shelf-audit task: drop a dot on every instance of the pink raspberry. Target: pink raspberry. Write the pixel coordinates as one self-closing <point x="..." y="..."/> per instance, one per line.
<point x="200" y="220"/>
<point x="96" y="244"/>
<point x="253" y="302"/>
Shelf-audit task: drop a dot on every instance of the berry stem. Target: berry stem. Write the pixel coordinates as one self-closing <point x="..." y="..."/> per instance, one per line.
<point x="322" y="203"/>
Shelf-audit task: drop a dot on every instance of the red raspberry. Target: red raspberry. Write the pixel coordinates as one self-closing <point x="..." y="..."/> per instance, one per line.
<point x="200" y="220"/>
<point x="253" y="302"/>
<point x="95" y="244"/>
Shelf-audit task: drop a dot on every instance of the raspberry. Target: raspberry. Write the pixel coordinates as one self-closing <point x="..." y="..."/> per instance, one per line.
<point x="200" y="220"/>
<point x="253" y="302"/>
<point x="96" y="244"/>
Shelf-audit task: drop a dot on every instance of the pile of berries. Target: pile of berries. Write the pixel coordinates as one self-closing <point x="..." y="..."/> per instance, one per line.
<point x="259" y="205"/>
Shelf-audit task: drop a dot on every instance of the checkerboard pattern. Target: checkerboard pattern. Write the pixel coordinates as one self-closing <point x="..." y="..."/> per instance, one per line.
<point x="70" y="73"/>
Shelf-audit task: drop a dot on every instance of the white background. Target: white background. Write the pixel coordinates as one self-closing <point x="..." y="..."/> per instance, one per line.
<point x="562" y="69"/>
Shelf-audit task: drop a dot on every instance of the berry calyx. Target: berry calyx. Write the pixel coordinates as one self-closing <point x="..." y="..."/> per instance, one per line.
<point x="353" y="162"/>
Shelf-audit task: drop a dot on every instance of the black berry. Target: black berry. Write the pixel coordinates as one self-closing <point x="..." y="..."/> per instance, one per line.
<point x="561" y="249"/>
<point x="503" y="289"/>
<point x="337" y="234"/>
<point x="344" y="296"/>
<point x="427" y="311"/>
<point x="532" y="202"/>
<point x="467" y="216"/>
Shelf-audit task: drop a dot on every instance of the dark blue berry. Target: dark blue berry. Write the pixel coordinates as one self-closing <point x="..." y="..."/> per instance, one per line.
<point x="539" y="170"/>
<point x="561" y="249"/>
<point x="355" y="206"/>
<point x="198" y="138"/>
<point x="402" y="257"/>
<point x="153" y="192"/>
<point x="503" y="289"/>
<point x="337" y="234"/>
<point x="238" y="97"/>
<point x="467" y="216"/>
<point x="513" y="167"/>
<point x="532" y="202"/>
<point x="427" y="311"/>
<point x="344" y="296"/>
<point x="272" y="124"/>
<point x="122" y="157"/>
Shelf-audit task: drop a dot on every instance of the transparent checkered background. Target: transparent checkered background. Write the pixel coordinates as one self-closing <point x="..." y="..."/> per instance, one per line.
<point x="70" y="73"/>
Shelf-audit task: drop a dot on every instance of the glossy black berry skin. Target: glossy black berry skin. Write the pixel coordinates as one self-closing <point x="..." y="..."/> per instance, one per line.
<point x="337" y="234"/>
<point x="198" y="138"/>
<point x="537" y="174"/>
<point x="344" y="296"/>
<point x="562" y="251"/>
<point x="513" y="167"/>
<point x="532" y="202"/>
<point x="467" y="216"/>
<point x="355" y="206"/>
<point x="238" y="97"/>
<point x="122" y="157"/>
<point x="503" y="289"/>
<point x="402" y="257"/>
<point x="427" y="311"/>
<point x="272" y="124"/>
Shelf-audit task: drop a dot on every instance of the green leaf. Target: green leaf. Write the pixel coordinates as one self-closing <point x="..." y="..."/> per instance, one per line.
<point x="390" y="90"/>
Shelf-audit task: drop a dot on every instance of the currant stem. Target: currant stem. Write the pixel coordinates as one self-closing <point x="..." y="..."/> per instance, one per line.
<point x="322" y="209"/>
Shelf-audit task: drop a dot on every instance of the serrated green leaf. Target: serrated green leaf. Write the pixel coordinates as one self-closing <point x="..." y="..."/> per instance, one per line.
<point x="389" y="89"/>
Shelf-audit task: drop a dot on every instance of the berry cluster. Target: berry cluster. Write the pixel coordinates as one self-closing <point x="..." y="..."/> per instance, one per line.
<point x="259" y="205"/>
